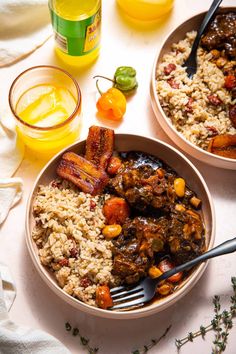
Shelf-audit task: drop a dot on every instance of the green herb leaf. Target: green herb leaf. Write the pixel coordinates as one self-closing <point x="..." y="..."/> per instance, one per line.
<point x="203" y="331"/>
<point x="84" y="340"/>
<point x="190" y="336"/>
<point x="75" y="331"/>
<point x="68" y="326"/>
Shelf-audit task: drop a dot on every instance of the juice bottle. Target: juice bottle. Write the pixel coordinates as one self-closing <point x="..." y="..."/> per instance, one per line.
<point x="146" y="10"/>
<point x="77" y="30"/>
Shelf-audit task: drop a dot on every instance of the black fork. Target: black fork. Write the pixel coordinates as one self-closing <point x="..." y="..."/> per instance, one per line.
<point x="191" y="62"/>
<point x="126" y="297"/>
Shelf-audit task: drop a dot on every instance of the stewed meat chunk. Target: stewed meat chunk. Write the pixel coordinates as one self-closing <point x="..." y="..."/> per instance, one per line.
<point x="186" y="235"/>
<point x="221" y="34"/>
<point x="145" y="188"/>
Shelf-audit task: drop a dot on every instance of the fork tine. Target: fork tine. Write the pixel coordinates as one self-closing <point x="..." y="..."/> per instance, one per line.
<point x="118" y="288"/>
<point x="126" y="305"/>
<point x="135" y="295"/>
<point x="126" y="292"/>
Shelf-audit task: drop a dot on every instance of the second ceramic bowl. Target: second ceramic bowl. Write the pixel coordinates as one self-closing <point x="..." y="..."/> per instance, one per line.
<point x="176" y="35"/>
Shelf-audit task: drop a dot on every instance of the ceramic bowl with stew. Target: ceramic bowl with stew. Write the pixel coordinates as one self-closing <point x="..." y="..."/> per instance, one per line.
<point x="194" y="112"/>
<point x="182" y="166"/>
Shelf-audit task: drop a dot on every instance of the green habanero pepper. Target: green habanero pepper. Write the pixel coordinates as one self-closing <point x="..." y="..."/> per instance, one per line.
<point x="125" y="79"/>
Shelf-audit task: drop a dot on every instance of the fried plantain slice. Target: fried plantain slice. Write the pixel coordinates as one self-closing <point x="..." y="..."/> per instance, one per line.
<point x="82" y="173"/>
<point x="99" y="146"/>
<point x="223" y="145"/>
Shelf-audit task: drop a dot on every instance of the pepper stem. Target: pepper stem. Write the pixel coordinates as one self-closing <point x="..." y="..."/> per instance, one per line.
<point x="98" y="88"/>
<point x="104" y="77"/>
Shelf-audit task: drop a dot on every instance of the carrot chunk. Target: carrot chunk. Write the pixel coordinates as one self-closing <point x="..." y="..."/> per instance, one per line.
<point x="103" y="297"/>
<point x="116" y="210"/>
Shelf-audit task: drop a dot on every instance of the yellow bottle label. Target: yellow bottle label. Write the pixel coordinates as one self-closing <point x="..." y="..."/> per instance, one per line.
<point x="77" y="38"/>
<point x="93" y="34"/>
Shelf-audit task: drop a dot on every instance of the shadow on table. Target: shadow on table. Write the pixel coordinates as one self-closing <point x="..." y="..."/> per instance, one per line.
<point x="141" y="26"/>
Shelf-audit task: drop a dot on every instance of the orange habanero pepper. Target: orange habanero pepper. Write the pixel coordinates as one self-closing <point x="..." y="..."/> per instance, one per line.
<point x="112" y="104"/>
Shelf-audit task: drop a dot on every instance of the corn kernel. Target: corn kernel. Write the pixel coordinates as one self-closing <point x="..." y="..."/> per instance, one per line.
<point x="111" y="231"/>
<point x="179" y="186"/>
<point x="179" y="207"/>
<point x="154" y="272"/>
<point x="164" y="289"/>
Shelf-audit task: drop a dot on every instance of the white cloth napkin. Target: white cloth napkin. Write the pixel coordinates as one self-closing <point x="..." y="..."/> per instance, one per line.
<point x="15" y="339"/>
<point x="7" y="287"/>
<point x="24" y="26"/>
<point x="11" y="155"/>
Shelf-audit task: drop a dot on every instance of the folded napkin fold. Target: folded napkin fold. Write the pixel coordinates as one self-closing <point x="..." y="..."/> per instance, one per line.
<point x="11" y="148"/>
<point x="16" y="339"/>
<point x="10" y="194"/>
<point x="11" y="155"/>
<point x="25" y="26"/>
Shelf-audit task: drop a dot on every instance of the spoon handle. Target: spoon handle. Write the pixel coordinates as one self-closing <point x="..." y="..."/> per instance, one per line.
<point x="214" y="6"/>
<point x="224" y="248"/>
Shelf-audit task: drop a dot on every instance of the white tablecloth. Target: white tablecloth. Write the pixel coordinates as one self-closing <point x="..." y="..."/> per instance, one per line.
<point x="36" y="305"/>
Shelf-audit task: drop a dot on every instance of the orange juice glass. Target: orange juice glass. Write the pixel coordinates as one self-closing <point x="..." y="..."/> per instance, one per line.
<point x="46" y="103"/>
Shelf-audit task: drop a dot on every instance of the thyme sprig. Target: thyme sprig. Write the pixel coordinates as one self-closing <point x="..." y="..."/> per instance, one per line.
<point x="154" y="342"/>
<point x="221" y="324"/>
<point x="84" y="341"/>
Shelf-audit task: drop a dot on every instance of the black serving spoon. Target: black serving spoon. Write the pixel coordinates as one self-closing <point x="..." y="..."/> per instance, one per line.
<point x="191" y="62"/>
